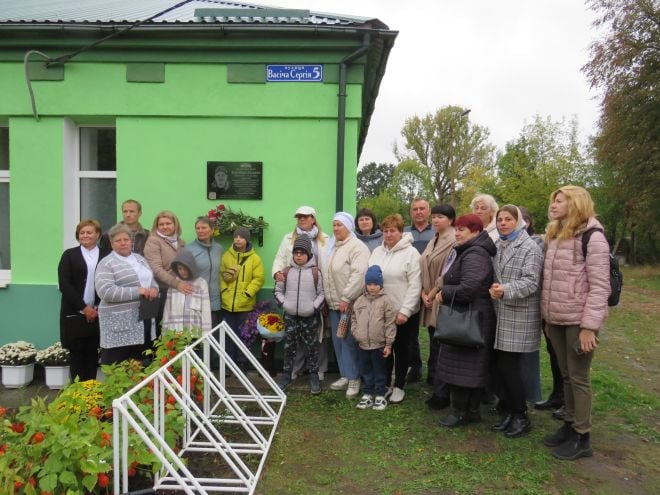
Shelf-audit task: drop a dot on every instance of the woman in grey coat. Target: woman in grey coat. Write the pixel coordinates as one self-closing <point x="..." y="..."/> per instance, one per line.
<point x="516" y="294"/>
<point x="122" y="279"/>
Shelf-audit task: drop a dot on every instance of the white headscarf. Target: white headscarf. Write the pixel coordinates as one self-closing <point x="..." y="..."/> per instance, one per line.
<point x="347" y="221"/>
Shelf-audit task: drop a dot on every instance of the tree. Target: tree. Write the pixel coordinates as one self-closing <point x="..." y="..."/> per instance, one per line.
<point x="546" y="156"/>
<point x="409" y="182"/>
<point x="385" y="204"/>
<point x="373" y="178"/>
<point x="625" y="64"/>
<point x="448" y="146"/>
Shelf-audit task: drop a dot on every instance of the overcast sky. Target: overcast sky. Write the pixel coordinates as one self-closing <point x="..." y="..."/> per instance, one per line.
<point x="505" y="60"/>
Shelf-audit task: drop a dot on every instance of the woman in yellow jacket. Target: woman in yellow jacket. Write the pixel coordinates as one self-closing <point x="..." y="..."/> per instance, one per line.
<point x="241" y="278"/>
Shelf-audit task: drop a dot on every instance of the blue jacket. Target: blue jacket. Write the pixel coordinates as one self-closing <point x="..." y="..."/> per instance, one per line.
<point x="208" y="263"/>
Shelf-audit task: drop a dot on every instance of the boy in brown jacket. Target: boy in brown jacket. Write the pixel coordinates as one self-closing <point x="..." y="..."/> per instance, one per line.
<point x="373" y="327"/>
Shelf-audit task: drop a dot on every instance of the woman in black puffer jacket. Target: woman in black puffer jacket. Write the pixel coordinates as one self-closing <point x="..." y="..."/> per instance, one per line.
<point x="467" y="277"/>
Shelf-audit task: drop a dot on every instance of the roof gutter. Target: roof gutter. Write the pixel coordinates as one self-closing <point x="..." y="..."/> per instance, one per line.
<point x="341" y="118"/>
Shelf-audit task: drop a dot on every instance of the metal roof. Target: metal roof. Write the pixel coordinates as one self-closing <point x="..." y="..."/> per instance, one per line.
<point x="202" y="12"/>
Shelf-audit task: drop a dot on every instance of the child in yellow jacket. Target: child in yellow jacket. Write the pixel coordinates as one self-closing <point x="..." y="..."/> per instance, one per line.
<point x="241" y="279"/>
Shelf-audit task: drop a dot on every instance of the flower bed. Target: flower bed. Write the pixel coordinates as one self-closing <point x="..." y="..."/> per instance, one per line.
<point x="66" y="446"/>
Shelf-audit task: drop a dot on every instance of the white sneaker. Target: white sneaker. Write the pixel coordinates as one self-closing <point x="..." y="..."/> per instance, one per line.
<point x="321" y="375"/>
<point x="365" y="402"/>
<point x="397" y="395"/>
<point x="340" y="384"/>
<point x="380" y="403"/>
<point x="388" y="393"/>
<point x="353" y="388"/>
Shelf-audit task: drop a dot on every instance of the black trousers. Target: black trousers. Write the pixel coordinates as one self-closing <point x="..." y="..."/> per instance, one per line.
<point x="557" y="380"/>
<point x="511" y="388"/>
<point x="464" y="399"/>
<point x="84" y="358"/>
<point x="399" y="359"/>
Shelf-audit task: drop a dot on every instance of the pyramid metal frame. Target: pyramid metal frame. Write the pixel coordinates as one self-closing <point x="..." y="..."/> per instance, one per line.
<point x="254" y="413"/>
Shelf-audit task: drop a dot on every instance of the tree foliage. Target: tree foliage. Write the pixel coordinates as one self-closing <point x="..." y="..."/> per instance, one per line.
<point x="448" y="146"/>
<point x="373" y="178"/>
<point x="625" y="64"/>
<point x="545" y="156"/>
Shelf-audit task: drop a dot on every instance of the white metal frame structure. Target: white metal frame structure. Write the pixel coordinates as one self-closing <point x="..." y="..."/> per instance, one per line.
<point x="235" y="424"/>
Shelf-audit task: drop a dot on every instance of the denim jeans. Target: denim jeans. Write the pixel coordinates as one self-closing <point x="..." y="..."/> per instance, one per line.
<point x="373" y="371"/>
<point x="346" y="349"/>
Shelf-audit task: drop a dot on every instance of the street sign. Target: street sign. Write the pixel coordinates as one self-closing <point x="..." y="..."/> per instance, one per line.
<point x="294" y="73"/>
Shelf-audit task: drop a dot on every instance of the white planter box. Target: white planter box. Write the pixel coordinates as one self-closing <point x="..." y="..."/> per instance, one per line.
<point x="57" y="377"/>
<point x="17" y="376"/>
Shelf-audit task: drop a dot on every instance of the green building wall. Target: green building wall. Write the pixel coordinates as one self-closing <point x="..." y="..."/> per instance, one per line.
<point x="166" y="132"/>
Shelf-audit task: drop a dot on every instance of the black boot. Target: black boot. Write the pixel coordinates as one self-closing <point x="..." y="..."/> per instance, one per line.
<point x="455" y="418"/>
<point x="560" y="413"/>
<point x="459" y="397"/>
<point x="520" y="425"/>
<point x="503" y="423"/>
<point x="578" y="445"/>
<point x="553" y="402"/>
<point x="560" y="436"/>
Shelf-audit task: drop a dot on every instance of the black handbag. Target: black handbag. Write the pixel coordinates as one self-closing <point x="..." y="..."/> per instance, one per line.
<point x="459" y="327"/>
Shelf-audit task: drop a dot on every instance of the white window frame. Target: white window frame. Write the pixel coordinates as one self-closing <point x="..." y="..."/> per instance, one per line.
<point x="5" y="275"/>
<point x="72" y="176"/>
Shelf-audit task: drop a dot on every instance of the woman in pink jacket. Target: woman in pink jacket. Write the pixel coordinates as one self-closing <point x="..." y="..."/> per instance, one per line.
<point x="574" y="306"/>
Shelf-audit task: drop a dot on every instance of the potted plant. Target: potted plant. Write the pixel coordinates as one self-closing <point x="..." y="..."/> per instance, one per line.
<point x="17" y="362"/>
<point x="55" y="360"/>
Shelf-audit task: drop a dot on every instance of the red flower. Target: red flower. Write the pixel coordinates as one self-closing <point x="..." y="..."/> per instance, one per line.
<point x="221" y="207"/>
<point x="103" y="479"/>
<point x="18" y="427"/>
<point x="38" y="437"/>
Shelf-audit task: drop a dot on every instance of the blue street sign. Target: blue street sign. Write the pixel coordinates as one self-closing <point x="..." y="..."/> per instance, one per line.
<point x="294" y="73"/>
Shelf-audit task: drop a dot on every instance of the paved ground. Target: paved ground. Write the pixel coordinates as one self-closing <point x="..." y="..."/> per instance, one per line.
<point x="15" y="397"/>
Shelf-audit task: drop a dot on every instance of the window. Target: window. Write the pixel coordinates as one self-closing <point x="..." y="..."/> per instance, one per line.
<point x="90" y="176"/>
<point x="5" y="254"/>
<point x="97" y="174"/>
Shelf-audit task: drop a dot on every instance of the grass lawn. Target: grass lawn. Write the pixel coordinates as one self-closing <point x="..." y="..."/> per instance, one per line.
<point x="324" y="445"/>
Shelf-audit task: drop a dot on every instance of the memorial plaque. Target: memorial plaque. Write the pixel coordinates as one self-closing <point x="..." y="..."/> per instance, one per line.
<point x="234" y="180"/>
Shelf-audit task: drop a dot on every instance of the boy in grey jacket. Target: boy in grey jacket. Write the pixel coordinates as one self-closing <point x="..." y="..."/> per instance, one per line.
<point x="301" y="295"/>
<point x="373" y="327"/>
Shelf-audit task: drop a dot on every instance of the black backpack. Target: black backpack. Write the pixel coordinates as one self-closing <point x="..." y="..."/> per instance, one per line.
<point x="616" y="277"/>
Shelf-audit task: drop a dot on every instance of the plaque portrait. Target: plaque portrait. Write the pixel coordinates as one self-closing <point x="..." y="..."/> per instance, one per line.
<point x="234" y="180"/>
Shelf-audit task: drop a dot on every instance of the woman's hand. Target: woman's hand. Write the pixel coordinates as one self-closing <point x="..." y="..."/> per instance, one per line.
<point x="343" y="306"/>
<point x="400" y="319"/>
<point x="496" y="291"/>
<point x="428" y="301"/>
<point x="438" y="297"/>
<point x="588" y="340"/>
<point x="279" y="277"/>
<point x="90" y="314"/>
<point x="150" y="293"/>
<point x="185" y="287"/>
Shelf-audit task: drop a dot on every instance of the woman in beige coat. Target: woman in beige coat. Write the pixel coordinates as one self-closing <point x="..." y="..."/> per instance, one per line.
<point x="162" y="246"/>
<point x="431" y="262"/>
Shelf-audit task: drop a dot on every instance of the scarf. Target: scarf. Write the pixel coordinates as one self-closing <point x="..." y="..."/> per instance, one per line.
<point x="171" y="239"/>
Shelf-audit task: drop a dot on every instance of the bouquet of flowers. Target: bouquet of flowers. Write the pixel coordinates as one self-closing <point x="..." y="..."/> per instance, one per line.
<point x="257" y="324"/>
<point x="17" y="353"/>
<point x="226" y="220"/>
<point x="270" y="326"/>
<point x="55" y="355"/>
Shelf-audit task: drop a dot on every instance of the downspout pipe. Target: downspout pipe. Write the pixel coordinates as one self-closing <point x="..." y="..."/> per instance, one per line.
<point x="341" y="118"/>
